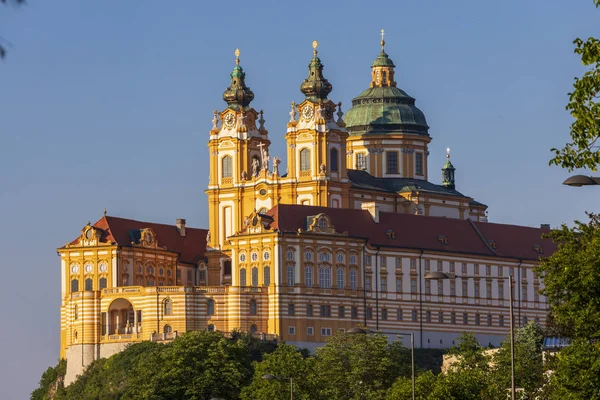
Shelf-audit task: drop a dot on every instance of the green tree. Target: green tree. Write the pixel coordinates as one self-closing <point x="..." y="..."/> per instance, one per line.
<point x="583" y="151"/>
<point x="529" y="362"/>
<point x="359" y="366"/>
<point x="51" y="384"/>
<point x="285" y="362"/>
<point x="571" y="281"/>
<point x="577" y="374"/>
<point x="402" y="388"/>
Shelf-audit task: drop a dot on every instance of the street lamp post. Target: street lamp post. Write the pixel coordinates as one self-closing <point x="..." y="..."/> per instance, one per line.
<point x="412" y="350"/>
<point x="269" y="377"/>
<point x="443" y="275"/>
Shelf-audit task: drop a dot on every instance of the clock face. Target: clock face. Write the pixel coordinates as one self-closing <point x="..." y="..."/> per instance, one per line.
<point x="75" y="268"/>
<point x="103" y="267"/>
<point x="89" y="268"/>
<point x="89" y="234"/>
<point x="307" y="112"/>
<point x="229" y="120"/>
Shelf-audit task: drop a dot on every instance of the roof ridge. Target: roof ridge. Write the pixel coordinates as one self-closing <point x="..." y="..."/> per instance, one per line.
<point x="487" y="244"/>
<point x="143" y="222"/>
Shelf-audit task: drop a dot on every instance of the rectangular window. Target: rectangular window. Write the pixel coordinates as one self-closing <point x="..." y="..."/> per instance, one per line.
<point x="384" y="314"/>
<point x="399" y="285"/>
<point x="418" y="163"/>
<point x="501" y="291"/>
<point x="413" y="263"/>
<point x="413" y="285"/>
<point x="427" y="316"/>
<point x="341" y="311"/>
<point x="310" y="331"/>
<point x="488" y="269"/>
<point x="452" y="288"/>
<point x="305" y="160"/>
<point x="202" y="275"/>
<point x="333" y="159"/>
<point x="226" y="164"/>
<point x="291" y="309"/>
<point x="488" y="290"/>
<point x="453" y="317"/>
<point x="309" y="310"/>
<point x="398" y="262"/>
<point x="368" y="261"/>
<point x="524" y="292"/>
<point x="325" y="311"/>
<point x="440" y="288"/>
<point x="501" y="320"/>
<point x="441" y="317"/>
<point x="427" y="286"/>
<point x="500" y="271"/>
<point x="477" y="319"/>
<point x="399" y="315"/>
<point x="511" y="271"/>
<point x="354" y="312"/>
<point x="368" y="283"/>
<point x="452" y="267"/>
<point x="427" y="265"/>
<point x="465" y="288"/>
<point x="325" y="331"/>
<point x="353" y="284"/>
<point x="383" y="261"/>
<point x="465" y="318"/>
<point x="369" y="313"/>
<point x="384" y="284"/>
<point x="392" y="162"/>
<point x="536" y="294"/>
<point x="292" y="330"/>
<point x="439" y="265"/>
<point x="476" y="289"/>
<point x="537" y="320"/>
<point x="476" y="269"/>
<point x="361" y="161"/>
<point x="414" y="315"/>
<point x="291" y="275"/>
<point x="464" y="268"/>
<point x="489" y="320"/>
<point x="189" y="278"/>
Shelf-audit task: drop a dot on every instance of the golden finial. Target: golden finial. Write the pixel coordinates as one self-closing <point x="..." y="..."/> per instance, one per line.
<point x="447" y="152"/>
<point x="105" y="212"/>
<point x="315" y="45"/>
<point x="237" y="56"/>
<point x="382" y="40"/>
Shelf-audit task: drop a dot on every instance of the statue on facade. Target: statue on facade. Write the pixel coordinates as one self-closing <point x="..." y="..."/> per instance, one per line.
<point x="265" y="159"/>
<point x="255" y="166"/>
<point x="244" y="175"/>
<point x="215" y="120"/>
<point x="208" y="237"/>
<point x="276" y="162"/>
<point x="323" y="169"/>
<point x="293" y="112"/>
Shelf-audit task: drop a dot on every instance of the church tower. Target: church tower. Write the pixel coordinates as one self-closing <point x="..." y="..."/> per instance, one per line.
<point x="238" y="146"/>
<point x="316" y="143"/>
<point x="388" y="133"/>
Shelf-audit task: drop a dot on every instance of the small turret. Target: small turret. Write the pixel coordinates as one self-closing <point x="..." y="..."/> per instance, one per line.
<point x="448" y="172"/>
<point x="382" y="69"/>
<point x="315" y="87"/>
<point x="238" y="94"/>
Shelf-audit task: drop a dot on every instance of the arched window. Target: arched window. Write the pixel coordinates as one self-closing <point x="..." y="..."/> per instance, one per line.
<point x="210" y="309"/>
<point x="291" y="275"/>
<point x="325" y="277"/>
<point x="75" y="285"/>
<point x="353" y="279"/>
<point x="308" y="276"/>
<point x="76" y="312"/>
<point x="291" y="255"/>
<point x="243" y="277"/>
<point x="253" y="308"/>
<point x="254" y="276"/>
<point x="89" y="285"/>
<point x="305" y="160"/>
<point x="340" y="278"/>
<point x="226" y="165"/>
<point x="167" y="329"/>
<point x="102" y="283"/>
<point x="266" y="276"/>
<point x="333" y="159"/>
<point x="167" y="307"/>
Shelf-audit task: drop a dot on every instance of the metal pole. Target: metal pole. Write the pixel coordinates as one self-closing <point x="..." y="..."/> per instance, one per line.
<point x="512" y="339"/>
<point x="292" y="388"/>
<point x="412" y="362"/>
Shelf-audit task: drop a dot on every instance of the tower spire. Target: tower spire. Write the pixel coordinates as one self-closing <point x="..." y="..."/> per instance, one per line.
<point x="238" y="95"/>
<point x="315" y="87"/>
<point x="448" y="172"/>
<point x="382" y="69"/>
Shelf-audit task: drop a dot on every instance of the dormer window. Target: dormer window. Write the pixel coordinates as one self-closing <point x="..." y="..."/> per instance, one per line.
<point x="538" y="248"/>
<point x="492" y="243"/>
<point x="322" y="223"/>
<point x="443" y="239"/>
<point x="391" y="234"/>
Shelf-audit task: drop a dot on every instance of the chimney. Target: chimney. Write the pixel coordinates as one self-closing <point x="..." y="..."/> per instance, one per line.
<point x="373" y="209"/>
<point x="180" y="222"/>
<point x="545" y="226"/>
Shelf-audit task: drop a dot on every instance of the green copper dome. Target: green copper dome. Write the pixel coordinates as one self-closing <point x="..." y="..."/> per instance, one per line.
<point x="385" y="109"/>
<point x="383" y="60"/>
<point x="315" y="87"/>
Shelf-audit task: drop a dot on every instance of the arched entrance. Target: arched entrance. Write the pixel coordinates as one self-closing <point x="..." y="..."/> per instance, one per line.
<point x="121" y="318"/>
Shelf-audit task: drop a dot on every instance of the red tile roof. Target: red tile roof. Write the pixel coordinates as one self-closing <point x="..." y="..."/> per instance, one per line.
<point x="421" y="232"/>
<point x="123" y="231"/>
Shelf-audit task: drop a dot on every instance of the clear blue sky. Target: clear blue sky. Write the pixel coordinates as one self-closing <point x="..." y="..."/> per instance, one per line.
<point x="108" y="104"/>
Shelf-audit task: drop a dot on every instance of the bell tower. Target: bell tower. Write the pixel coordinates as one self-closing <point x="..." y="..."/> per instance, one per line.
<point x="238" y="145"/>
<point x="316" y="142"/>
